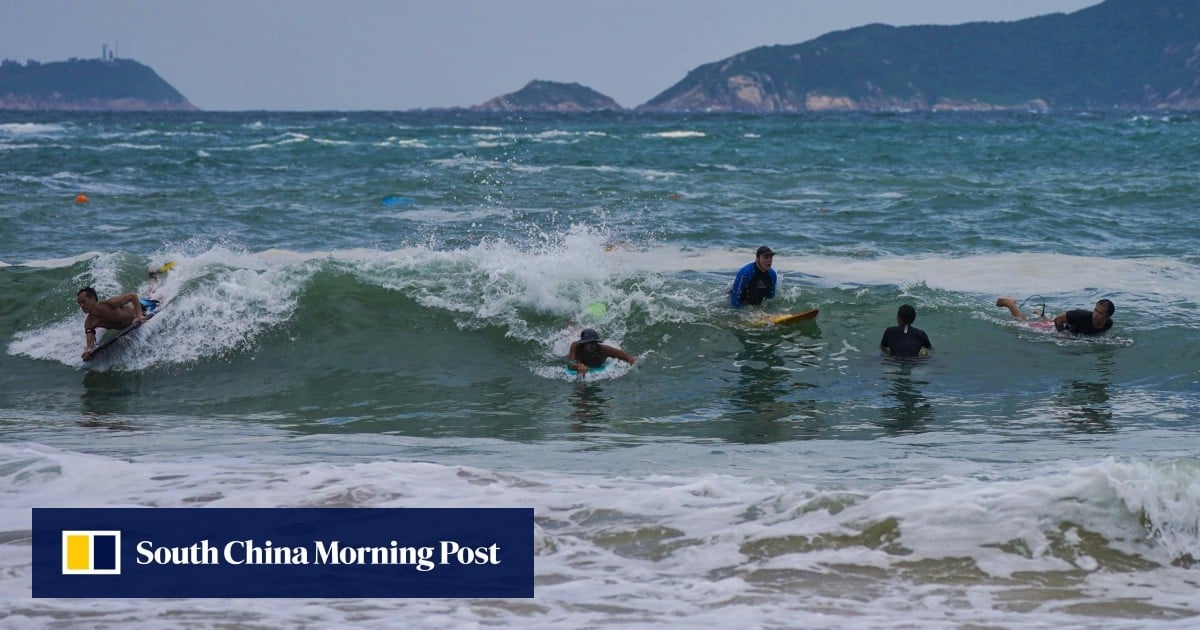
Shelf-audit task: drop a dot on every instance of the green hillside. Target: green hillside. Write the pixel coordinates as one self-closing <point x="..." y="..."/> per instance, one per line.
<point x="1121" y="53"/>
<point x="86" y="84"/>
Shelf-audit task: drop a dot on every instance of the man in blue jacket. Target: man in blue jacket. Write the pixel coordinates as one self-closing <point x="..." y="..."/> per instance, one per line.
<point x="756" y="281"/>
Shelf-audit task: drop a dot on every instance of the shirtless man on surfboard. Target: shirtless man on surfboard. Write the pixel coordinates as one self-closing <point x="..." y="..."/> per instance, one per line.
<point x="114" y="313"/>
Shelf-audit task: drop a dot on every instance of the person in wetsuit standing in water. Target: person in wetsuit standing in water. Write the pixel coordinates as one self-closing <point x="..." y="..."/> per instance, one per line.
<point x="905" y="340"/>
<point x="756" y="281"/>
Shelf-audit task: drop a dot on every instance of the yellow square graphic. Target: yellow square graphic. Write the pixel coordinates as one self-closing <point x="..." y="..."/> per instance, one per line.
<point x="79" y="552"/>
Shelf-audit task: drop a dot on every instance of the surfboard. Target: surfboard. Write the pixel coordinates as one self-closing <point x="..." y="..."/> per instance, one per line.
<point x="112" y="338"/>
<point x="796" y="317"/>
<point x="595" y="370"/>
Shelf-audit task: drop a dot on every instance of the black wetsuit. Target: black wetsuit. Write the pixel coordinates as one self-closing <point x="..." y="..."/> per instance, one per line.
<point x="904" y="341"/>
<point x="1079" y="321"/>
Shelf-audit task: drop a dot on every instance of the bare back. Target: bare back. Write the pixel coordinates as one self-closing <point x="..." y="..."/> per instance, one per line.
<point x="113" y="313"/>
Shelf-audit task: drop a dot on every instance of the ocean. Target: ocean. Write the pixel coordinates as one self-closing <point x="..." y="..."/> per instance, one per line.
<point x="373" y="309"/>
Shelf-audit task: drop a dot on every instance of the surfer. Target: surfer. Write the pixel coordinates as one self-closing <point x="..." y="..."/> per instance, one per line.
<point x="114" y="313"/>
<point x="1078" y="321"/>
<point x="756" y="281"/>
<point x="904" y="339"/>
<point x="588" y="352"/>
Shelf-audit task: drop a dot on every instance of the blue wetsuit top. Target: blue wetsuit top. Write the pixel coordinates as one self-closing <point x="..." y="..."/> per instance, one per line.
<point x="751" y="286"/>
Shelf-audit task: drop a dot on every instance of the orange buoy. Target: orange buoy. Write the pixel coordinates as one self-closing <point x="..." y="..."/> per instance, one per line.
<point x="81" y="198"/>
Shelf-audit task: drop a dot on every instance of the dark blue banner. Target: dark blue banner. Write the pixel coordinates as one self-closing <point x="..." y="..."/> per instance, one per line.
<point x="283" y="552"/>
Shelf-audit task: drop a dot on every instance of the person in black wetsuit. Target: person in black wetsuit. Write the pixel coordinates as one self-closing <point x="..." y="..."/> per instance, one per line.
<point x="588" y="352"/>
<point x="904" y="339"/>
<point x="1079" y="321"/>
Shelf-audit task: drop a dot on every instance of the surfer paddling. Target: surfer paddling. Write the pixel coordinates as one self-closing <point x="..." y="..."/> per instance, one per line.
<point x="1078" y="321"/>
<point x="589" y="353"/>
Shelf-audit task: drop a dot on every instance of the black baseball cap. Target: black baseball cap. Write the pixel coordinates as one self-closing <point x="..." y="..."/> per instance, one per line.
<point x="764" y="251"/>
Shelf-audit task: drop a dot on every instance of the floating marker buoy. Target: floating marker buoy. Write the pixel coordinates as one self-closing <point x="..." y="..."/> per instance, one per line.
<point x="396" y="201"/>
<point x="81" y="198"/>
<point x="595" y="310"/>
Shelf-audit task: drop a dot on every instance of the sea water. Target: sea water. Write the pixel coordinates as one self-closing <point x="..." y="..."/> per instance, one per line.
<point x="324" y="345"/>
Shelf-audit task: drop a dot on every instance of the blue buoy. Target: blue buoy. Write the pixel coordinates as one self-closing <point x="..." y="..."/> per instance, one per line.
<point x="393" y="200"/>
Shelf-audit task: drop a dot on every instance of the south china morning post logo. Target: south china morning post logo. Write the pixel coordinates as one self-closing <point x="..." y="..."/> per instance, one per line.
<point x="91" y="552"/>
<point x="283" y="552"/>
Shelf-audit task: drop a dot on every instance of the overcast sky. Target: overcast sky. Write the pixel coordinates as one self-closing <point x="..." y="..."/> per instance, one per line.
<point x="406" y="54"/>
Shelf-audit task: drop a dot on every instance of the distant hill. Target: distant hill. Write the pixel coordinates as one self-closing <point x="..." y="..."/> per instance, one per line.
<point x="1125" y="54"/>
<point x="86" y="85"/>
<point x="549" y="96"/>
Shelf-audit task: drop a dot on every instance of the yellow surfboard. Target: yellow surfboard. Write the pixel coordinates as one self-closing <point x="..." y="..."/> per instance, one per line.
<point x="796" y="317"/>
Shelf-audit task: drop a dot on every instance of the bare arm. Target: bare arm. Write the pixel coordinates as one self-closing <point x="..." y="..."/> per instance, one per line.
<point x="1011" y="305"/>
<point x="89" y="333"/>
<point x="1060" y="322"/>
<point x="618" y="353"/>
<point x="573" y="362"/>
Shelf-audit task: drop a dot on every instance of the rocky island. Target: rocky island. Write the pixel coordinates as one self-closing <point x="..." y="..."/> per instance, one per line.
<point x="549" y="96"/>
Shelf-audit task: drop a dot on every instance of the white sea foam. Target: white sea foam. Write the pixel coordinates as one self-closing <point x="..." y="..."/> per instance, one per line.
<point x="233" y="298"/>
<point x="408" y="143"/>
<point x="129" y="146"/>
<point x="647" y="173"/>
<point x="676" y="134"/>
<point x="8" y="146"/>
<point x="53" y="263"/>
<point x="30" y="129"/>
<point x="442" y="215"/>
<point x="281" y="140"/>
